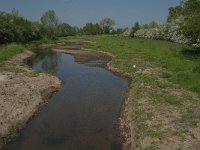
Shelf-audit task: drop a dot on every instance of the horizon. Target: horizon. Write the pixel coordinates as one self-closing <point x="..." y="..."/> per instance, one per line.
<point x="78" y="13"/>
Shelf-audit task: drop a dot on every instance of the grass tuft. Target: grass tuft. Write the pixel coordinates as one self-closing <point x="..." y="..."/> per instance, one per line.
<point x="8" y="51"/>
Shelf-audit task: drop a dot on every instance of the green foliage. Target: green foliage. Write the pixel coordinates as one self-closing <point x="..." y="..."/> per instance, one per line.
<point x="92" y="29"/>
<point x="166" y="74"/>
<point x="196" y="69"/>
<point x="51" y="27"/>
<point x="50" y="22"/>
<point x="119" y="31"/>
<point x="49" y="19"/>
<point x="174" y="13"/>
<point x="8" y="51"/>
<point x="152" y="24"/>
<point x="14" y="28"/>
<point x="106" y="25"/>
<point x="135" y="28"/>
<point x="191" y="25"/>
<point x="173" y="100"/>
<point x="188" y="16"/>
<point x="65" y="29"/>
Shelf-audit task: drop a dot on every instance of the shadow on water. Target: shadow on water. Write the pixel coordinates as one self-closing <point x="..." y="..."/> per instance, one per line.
<point x="83" y="115"/>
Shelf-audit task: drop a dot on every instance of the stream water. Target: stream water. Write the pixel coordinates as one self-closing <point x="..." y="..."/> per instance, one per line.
<point x="83" y="115"/>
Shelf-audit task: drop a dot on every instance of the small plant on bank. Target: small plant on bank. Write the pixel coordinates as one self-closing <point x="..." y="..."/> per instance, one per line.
<point x="8" y="51"/>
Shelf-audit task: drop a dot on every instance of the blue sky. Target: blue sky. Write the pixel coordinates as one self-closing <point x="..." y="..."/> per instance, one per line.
<point x="79" y="12"/>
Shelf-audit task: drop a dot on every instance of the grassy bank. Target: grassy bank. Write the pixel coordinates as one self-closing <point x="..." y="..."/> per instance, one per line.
<point x="165" y="111"/>
<point x="176" y="66"/>
<point x="8" y="51"/>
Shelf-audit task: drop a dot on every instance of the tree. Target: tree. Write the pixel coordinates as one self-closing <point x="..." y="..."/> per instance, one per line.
<point x="152" y="24"/>
<point x="135" y="28"/>
<point x="6" y="31"/>
<point x="15" y="28"/>
<point x="50" y="21"/>
<point x="174" y="13"/>
<point x="65" y="29"/>
<point x="120" y="30"/>
<point x="187" y="17"/>
<point x="145" y="26"/>
<point x="91" y="29"/>
<point x="106" y="25"/>
<point x="191" y="20"/>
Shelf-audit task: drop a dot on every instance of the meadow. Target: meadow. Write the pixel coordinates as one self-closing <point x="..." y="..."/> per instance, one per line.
<point x="179" y="64"/>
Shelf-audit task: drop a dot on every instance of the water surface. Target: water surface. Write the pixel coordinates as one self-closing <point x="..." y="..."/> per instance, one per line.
<point x="83" y="115"/>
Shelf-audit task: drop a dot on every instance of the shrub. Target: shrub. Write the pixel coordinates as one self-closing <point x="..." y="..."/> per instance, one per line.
<point x="168" y="31"/>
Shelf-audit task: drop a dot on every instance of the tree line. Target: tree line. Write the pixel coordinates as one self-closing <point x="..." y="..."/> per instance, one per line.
<point x="15" y="28"/>
<point x="182" y="26"/>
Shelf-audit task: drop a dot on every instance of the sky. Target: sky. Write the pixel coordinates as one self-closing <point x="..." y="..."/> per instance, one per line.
<point x="79" y="12"/>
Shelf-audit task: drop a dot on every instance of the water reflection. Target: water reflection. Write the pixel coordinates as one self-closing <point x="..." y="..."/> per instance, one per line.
<point x="50" y="62"/>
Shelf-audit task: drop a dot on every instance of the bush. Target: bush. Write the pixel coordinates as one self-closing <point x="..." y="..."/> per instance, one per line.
<point x="157" y="33"/>
<point x="14" y="28"/>
<point x="168" y="31"/>
<point x="183" y="25"/>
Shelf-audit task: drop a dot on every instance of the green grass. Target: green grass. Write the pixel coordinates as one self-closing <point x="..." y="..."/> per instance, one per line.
<point x="177" y="67"/>
<point x="33" y="44"/>
<point x="8" y="51"/>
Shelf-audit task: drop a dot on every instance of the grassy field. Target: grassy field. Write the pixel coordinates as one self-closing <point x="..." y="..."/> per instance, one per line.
<point x="176" y="66"/>
<point x="164" y="110"/>
<point x="8" y="51"/>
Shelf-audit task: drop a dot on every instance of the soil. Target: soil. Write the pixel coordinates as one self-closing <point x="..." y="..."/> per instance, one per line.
<point x="22" y="92"/>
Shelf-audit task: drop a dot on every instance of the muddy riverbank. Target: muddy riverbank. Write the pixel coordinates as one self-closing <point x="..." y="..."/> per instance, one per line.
<point x="22" y="92"/>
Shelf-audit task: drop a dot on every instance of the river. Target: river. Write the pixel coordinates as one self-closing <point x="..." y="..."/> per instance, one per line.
<point x="83" y="115"/>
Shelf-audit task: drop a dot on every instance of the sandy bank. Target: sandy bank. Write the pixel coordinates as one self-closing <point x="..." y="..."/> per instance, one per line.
<point x="22" y="93"/>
